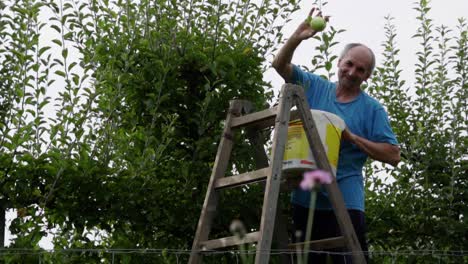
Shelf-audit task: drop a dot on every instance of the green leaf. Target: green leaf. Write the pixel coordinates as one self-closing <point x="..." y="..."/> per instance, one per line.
<point x="60" y="73"/>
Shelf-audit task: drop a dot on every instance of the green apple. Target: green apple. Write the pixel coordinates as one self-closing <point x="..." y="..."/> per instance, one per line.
<point x="317" y="23"/>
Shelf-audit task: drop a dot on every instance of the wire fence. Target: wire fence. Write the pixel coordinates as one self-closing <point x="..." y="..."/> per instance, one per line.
<point x="138" y="255"/>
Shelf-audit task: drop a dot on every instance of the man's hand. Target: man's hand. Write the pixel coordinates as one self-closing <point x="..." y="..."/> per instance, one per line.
<point x="348" y="136"/>
<point x="383" y="152"/>
<point x="304" y="31"/>
<point x="282" y="62"/>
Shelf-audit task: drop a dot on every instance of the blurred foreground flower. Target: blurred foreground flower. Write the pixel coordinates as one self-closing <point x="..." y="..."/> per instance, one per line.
<point x="237" y="228"/>
<point x="312" y="178"/>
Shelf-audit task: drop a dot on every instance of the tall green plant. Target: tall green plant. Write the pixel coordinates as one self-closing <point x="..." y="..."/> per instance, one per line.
<point x="22" y="125"/>
<point x="418" y="208"/>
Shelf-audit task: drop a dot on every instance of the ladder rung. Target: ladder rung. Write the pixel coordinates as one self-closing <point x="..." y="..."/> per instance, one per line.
<point x="264" y="118"/>
<point x="242" y="179"/>
<point x="261" y="119"/>
<point x="327" y="243"/>
<point x="229" y="241"/>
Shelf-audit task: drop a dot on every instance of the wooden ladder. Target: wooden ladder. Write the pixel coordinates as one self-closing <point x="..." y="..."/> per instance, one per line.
<point x="239" y="116"/>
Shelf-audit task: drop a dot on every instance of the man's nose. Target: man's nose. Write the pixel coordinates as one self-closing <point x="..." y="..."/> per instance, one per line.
<point x="351" y="72"/>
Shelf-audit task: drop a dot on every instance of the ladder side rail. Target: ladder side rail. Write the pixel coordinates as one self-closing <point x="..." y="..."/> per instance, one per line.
<point x="272" y="189"/>
<point x="280" y="234"/>
<point x="335" y="197"/>
<point x="219" y="168"/>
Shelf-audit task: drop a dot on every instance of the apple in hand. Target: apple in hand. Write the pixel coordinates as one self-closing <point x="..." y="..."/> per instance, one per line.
<point x="317" y="23"/>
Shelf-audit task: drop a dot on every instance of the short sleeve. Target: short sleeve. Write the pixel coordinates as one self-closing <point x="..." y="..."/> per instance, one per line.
<point x="305" y="79"/>
<point x="381" y="130"/>
<point x="315" y="87"/>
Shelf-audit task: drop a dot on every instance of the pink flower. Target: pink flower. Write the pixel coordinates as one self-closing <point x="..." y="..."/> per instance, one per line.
<point x="311" y="178"/>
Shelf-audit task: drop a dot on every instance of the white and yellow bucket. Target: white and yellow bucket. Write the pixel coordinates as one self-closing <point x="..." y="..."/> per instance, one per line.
<point x="298" y="156"/>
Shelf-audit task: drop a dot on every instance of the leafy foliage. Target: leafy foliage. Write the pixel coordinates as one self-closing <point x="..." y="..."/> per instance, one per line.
<point x="121" y="155"/>
<point x="421" y="206"/>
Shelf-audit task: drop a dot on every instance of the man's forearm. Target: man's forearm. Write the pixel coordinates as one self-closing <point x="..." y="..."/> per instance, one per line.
<point x="384" y="152"/>
<point x="282" y="61"/>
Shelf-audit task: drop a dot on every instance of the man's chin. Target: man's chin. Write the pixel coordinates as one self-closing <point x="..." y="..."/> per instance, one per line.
<point x="349" y="82"/>
<point x="345" y="82"/>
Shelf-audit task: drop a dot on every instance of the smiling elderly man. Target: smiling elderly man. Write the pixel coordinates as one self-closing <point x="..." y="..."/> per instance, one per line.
<point x="368" y="134"/>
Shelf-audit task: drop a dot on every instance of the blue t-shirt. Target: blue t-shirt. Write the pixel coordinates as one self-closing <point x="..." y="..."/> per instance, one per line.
<point x="365" y="117"/>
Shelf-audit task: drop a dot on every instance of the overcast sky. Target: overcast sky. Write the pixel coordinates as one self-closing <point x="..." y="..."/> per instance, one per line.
<point x="364" y="22"/>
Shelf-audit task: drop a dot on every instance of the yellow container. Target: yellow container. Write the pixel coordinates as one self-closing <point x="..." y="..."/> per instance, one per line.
<point x="298" y="156"/>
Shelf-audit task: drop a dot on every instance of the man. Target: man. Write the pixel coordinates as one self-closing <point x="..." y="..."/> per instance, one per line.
<point x="368" y="133"/>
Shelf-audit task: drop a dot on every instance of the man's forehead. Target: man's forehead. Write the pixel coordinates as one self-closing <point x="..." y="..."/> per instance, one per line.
<point x="359" y="51"/>
<point x="359" y="54"/>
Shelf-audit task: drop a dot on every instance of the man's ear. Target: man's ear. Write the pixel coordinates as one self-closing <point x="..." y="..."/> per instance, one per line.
<point x="367" y="76"/>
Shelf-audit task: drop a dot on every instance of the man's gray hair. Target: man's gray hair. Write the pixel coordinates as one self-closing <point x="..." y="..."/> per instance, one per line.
<point x="349" y="46"/>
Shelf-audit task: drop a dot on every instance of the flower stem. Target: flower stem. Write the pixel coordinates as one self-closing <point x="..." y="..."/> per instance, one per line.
<point x="310" y="221"/>
<point x="299" y="254"/>
<point x="243" y="255"/>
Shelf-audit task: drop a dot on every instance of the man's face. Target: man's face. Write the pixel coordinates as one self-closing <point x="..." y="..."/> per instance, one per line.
<point x="354" y="67"/>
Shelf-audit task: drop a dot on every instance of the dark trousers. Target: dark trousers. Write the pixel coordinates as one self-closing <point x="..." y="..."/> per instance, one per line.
<point x="326" y="226"/>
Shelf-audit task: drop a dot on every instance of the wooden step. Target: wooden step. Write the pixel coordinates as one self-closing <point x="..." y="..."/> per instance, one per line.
<point x="242" y="179"/>
<point x="229" y="241"/>
<point x="327" y="243"/>
<point x="261" y="119"/>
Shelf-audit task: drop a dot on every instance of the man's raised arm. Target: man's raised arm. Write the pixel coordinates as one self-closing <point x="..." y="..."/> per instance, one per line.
<point x="282" y="62"/>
